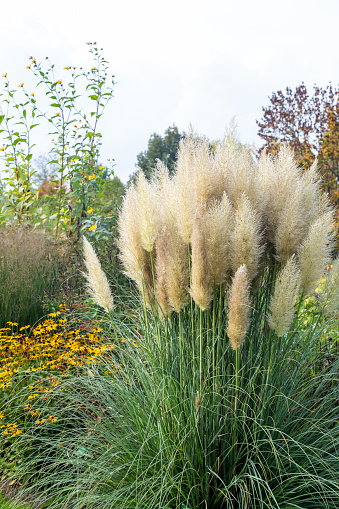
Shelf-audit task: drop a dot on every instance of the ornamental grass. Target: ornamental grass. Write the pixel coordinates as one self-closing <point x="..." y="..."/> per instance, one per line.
<point x="30" y="267"/>
<point x="217" y="395"/>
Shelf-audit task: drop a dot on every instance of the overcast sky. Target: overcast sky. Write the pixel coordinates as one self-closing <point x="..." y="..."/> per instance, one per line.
<point x="180" y="61"/>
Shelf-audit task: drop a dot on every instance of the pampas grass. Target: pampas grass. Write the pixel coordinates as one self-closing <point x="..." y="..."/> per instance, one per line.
<point x="98" y="286"/>
<point x="229" y="211"/>
<point x="214" y="397"/>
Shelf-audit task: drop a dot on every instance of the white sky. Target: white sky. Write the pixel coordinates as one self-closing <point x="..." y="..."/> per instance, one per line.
<point x="180" y="61"/>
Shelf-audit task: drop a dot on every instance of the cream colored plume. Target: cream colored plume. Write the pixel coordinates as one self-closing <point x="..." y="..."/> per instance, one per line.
<point x="278" y="177"/>
<point x="286" y="290"/>
<point x="201" y="288"/>
<point x="206" y="175"/>
<point x="291" y="226"/>
<point x="218" y="224"/>
<point x="161" y="248"/>
<point x="97" y="282"/>
<point x="239" y="308"/>
<point x="177" y="270"/>
<point x="182" y="207"/>
<point x="247" y="238"/>
<point x="239" y="175"/>
<point x="302" y="207"/>
<point x="314" y="255"/>
<point x="330" y="296"/>
<point x="148" y="211"/>
<point x="131" y="252"/>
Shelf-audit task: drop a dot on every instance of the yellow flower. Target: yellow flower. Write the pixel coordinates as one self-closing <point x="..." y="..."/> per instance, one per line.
<point x="90" y="211"/>
<point x="88" y="43"/>
<point x="57" y="114"/>
<point x="28" y="67"/>
<point x="102" y="168"/>
<point x="21" y="85"/>
<point x="91" y="177"/>
<point x="59" y="82"/>
<point x="32" y="94"/>
<point x="4" y="75"/>
<point x="1" y="415"/>
<point x="92" y="228"/>
<point x="2" y="149"/>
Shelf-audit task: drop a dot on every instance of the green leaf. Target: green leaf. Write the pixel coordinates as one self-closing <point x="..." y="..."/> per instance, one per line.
<point x="18" y="140"/>
<point x="94" y="97"/>
<point x="29" y="157"/>
<point x="1" y="118"/>
<point x="55" y="105"/>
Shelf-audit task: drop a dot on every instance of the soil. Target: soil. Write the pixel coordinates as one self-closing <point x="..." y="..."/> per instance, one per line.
<point x="11" y="491"/>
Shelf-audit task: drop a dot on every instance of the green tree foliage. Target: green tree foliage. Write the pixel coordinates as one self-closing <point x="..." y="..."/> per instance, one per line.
<point x="164" y="148"/>
<point x="109" y="200"/>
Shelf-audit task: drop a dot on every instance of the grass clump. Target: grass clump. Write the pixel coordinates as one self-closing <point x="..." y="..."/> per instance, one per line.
<point x="6" y="504"/>
<point x="29" y="268"/>
<point x="216" y="394"/>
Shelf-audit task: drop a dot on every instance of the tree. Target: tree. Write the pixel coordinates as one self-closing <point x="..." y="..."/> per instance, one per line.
<point x="164" y="148"/>
<point x="300" y="120"/>
<point x="45" y="169"/>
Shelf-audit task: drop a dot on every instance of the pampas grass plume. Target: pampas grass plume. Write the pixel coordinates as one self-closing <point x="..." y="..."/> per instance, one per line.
<point x="97" y="282"/>
<point x="291" y="227"/>
<point x="278" y="176"/>
<point x="247" y="238"/>
<point x="201" y="288"/>
<point x="239" y="308"/>
<point x="182" y="207"/>
<point x="161" y="248"/>
<point x="283" y="299"/>
<point x="148" y="211"/>
<point x="314" y="255"/>
<point x="177" y="270"/>
<point x="218" y="224"/>
<point x="131" y="252"/>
